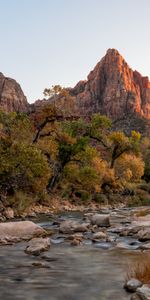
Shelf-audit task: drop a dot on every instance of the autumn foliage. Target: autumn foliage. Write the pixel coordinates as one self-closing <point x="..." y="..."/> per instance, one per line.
<point x="48" y="152"/>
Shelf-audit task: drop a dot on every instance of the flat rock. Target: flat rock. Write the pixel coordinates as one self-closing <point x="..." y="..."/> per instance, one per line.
<point x="16" y="231"/>
<point x="37" y="245"/>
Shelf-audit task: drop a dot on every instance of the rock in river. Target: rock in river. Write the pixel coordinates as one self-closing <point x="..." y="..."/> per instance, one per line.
<point x="132" y="285"/>
<point x="37" y="245"/>
<point x="72" y="226"/>
<point x="142" y="293"/>
<point x="17" y="231"/>
<point x="100" y="220"/>
<point x="144" y="234"/>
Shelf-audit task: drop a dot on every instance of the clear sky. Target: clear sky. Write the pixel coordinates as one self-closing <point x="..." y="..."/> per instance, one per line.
<point x="47" y="42"/>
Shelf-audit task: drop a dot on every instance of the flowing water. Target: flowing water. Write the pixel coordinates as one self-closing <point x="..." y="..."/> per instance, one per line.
<point x="85" y="272"/>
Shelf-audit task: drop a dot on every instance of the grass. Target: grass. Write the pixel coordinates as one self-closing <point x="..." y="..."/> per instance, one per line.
<point x="140" y="269"/>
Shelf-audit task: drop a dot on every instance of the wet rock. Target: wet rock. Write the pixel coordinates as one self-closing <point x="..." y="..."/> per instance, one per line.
<point x="144" y="235"/>
<point x="22" y="230"/>
<point x="37" y="245"/>
<point x="72" y="226"/>
<point x="143" y="292"/>
<point x="39" y="264"/>
<point x="9" y="213"/>
<point x="75" y="236"/>
<point x="130" y="231"/>
<point x="76" y="239"/>
<point x="145" y="246"/>
<point x="103" y="245"/>
<point x="67" y="227"/>
<point x="81" y="227"/>
<point x="48" y="258"/>
<point x="76" y="242"/>
<point x="132" y="285"/>
<point x="125" y="245"/>
<point x="135" y="297"/>
<point x="99" y="236"/>
<point x="100" y="220"/>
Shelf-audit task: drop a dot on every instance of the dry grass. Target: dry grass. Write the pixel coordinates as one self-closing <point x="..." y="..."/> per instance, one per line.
<point x="140" y="269"/>
<point x="142" y="213"/>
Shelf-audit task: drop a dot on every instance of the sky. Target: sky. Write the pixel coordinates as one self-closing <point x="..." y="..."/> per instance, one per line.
<point x="48" y="42"/>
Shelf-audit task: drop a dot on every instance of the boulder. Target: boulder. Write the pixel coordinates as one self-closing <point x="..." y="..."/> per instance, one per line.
<point x="144" y="235"/>
<point x="72" y="226"/>
<point x="66" y="227"/>
<point x="132" y="285"/>
<point x="37" y="245"/>
<point x="81" y="227"/>
<point x="143" y="293"/>
<point x="22" y="230"/>
<point x="100" y="220"/>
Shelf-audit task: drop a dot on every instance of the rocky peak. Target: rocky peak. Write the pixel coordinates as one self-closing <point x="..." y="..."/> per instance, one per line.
<point x="114" y="89"/>
<point x="12" y="97"/>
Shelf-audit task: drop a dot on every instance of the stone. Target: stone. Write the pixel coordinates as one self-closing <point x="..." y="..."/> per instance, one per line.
<point x="100" y="220"/>
<point x="76" y="239"/>
<point x="72" y="226"/>
<point x="75" y="236"/>
<point x="9" y="213"/>
<point x="99" y="236"/>
<point x="39" y="264"/>
<point x="66" y="227"/>
<point x="76" y="242"/>
<point x="143" y="292"/>
<point x="22" y="230"/>
<point x="37" y="245"/>
<point x="12" y="97"/>
<point x="145" y="246"/>
<point x="144" y="235"/>
<point x="135" y="297"/>
<point x="81" y="227"/>
<point x="132" y="285"/>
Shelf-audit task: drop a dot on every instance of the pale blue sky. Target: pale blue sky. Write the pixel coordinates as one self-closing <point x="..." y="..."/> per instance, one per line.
<point x="46" y="42"/>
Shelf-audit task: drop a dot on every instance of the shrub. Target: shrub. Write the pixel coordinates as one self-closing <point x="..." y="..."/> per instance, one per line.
<point x="20" y="201"/>
<point x="140" y="269"/>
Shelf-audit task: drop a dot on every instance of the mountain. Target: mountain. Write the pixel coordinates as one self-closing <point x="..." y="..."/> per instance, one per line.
<point x="12" y="97"/>
<point x="114" y="89"/>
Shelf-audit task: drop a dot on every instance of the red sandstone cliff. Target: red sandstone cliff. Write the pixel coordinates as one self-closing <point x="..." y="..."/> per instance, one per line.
<point x="112" y="88"/>
<point x="12" y="97"/>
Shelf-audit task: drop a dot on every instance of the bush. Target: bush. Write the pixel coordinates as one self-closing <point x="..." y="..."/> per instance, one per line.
<point x="140" y="269"/>
<point x="101" y="198"/>
<point x="20" y="201"/>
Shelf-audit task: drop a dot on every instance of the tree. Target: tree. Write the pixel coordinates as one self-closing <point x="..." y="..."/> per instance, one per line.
<point x="129" y="168"/>
<point x="22" y="165"/>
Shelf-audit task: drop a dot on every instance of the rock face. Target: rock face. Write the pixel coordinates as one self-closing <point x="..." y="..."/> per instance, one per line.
<point x="113" y="89"/>
<point x="12" y="97"/>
